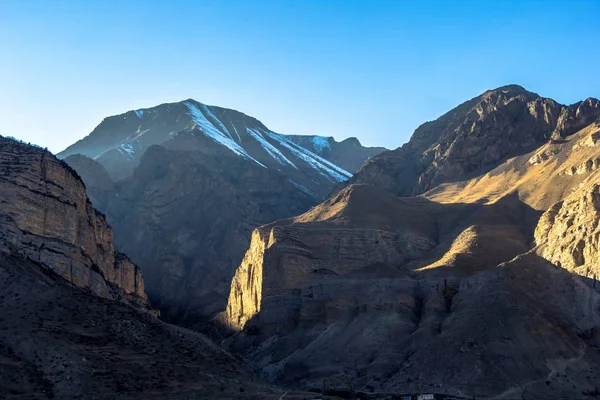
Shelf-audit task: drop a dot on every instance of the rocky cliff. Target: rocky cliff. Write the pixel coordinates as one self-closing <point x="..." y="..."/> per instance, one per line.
<point x="46" y="216"/>
<point x="568" y="233"/>
<point x="336" y="238"/>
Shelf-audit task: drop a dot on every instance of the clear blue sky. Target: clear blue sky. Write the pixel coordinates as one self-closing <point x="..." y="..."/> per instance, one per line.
<point x="371" y="69"/>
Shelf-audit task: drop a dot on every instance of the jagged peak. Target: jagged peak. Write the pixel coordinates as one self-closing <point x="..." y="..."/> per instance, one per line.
<point x="510" y="88"/>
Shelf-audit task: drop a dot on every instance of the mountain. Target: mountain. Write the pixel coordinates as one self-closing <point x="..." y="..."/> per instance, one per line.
<point x="184" y="185"/>
<point x="119" y="142"/>
<point x="475" y="137"/>
<point x="74" y="317"/>
<point x="484" y="285"/>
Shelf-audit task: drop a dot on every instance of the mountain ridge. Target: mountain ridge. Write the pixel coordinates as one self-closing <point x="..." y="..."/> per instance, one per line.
<point x="119" y="141"/>
<point x="475" y="137"/>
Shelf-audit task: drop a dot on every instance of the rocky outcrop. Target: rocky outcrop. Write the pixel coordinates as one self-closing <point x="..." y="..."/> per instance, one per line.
<point x="46" y="216"/>
<point x="474" y="138"/>
<point x="338" y="237"/>
<point x="576" y="117"/>
<point x="568" y="233"/>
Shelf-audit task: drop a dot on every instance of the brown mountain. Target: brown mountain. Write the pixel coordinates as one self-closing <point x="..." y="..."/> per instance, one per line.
<point x="74" y="320"/>
<point x="475" y="137"/>
<point x="484" y="286"/>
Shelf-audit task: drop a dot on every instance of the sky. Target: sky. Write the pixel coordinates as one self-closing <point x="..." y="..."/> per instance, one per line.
<point x="373" y="69"/>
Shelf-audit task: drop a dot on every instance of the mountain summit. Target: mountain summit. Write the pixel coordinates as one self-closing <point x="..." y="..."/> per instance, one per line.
<point x="119" y="141"/>
<point x="475" y="137"/>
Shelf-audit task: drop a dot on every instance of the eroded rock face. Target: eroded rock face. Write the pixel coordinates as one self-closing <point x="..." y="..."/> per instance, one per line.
<point x="47" y="217"/>
<point x="374" y="292"/>
<point x="568" y="233"/>
<point x="475" y="137"/>
<point x="576" y="117"/>
<point x="336" y="238"/>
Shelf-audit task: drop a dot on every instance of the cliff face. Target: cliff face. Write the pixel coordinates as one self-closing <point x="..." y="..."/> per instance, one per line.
<point x="47" y="217"/>
<point x="568" y="233"/>
<point x="474" y="138"/>
<point x="336" y="238"/>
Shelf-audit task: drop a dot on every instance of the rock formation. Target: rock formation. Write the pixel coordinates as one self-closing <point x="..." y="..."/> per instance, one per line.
<point x="568" y="233"/>
<point x="46" y="216"/>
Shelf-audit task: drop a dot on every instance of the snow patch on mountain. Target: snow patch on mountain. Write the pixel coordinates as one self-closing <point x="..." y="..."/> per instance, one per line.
<point x="216" y="120"/>
<point x="269" y="148"/>
<point x="236" y="132"/>
<point x="331" y="171"/>
<point x="210" y="130"/>
<point x="320" y="143"/>
<point x="127" y="150"/>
